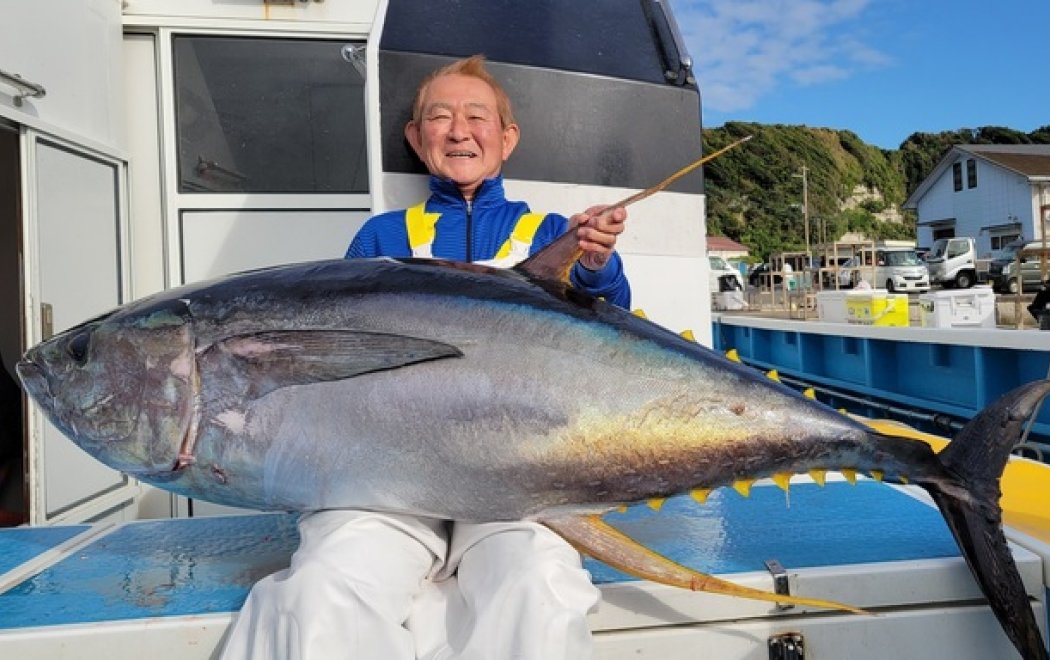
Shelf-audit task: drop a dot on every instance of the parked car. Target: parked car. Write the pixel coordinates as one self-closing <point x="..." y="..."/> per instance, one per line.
<point x="848" y="276"/>
<point x="1002" y="272"/>
<point x="759" y="276"/>
<point x="720" y="268"/>
<point x="891" y="268"/>
<point x="827" y="277"/>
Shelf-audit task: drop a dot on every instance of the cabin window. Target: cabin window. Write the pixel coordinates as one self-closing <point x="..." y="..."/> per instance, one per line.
<point x="268" y="116"/>
<point x="957" y="176"/>
<point x="971" y="173"/>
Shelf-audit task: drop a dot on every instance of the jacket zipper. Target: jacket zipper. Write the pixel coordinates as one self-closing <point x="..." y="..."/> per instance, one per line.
<point x="470" y="219"/>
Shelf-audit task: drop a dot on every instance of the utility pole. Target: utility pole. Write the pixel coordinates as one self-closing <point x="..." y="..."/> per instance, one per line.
<point x="805" y="204"/>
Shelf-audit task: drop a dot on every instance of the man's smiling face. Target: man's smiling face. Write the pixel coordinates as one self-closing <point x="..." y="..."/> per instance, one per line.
<point x="460" y="136"/>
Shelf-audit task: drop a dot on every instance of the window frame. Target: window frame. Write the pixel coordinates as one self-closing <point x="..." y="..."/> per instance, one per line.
<point x="177" y="127"/>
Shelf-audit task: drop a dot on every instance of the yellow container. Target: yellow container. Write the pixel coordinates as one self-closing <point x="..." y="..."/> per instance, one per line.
<point x="877" y="308"/>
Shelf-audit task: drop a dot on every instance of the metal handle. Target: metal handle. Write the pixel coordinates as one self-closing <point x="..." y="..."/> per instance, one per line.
<point x="678" y="64"/>
<point x="781" y="584"/>
<point x="25" y="87"/>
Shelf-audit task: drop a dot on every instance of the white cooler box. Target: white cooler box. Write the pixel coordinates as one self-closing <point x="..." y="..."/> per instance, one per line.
<point x="168" y="589"/>
<point x="831" y="306"/>
<point x="958" y="308"/>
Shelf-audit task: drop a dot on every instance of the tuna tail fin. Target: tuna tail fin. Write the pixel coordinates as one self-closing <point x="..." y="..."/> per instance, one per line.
<point x="969" y="500"/>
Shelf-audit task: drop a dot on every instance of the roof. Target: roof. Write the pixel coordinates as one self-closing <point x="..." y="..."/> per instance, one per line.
<point x="724" y="244"/>
<point x="1030" y="161"/>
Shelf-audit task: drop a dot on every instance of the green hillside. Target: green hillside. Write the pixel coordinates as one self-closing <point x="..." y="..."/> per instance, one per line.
<point x="754" y="192"/>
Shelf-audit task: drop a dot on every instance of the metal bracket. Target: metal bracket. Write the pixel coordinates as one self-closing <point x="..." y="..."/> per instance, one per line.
<point x="787" y="646"/>
<point x="781" y="585"/>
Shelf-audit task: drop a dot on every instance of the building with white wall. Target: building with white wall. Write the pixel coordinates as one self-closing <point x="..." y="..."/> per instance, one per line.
<point x="993" y="193"/>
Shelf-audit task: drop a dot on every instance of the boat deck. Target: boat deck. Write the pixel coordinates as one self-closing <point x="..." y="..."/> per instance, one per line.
<point x="175" y="584"/>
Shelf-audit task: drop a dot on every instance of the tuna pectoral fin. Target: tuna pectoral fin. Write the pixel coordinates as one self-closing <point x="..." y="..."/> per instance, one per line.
<point x="267" y="361"/>
<point x="593" y="536"/>
<point x="969" y="500"/>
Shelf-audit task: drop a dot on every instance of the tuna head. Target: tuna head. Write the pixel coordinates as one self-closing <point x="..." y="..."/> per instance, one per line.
<point x="121" y="386"/>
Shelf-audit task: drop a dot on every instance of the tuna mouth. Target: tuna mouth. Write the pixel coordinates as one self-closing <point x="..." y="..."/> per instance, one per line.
<point x="34" y="379"/>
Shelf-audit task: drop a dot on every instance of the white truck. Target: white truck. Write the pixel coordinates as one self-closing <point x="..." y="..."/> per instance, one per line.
<point x="953" y="262"/>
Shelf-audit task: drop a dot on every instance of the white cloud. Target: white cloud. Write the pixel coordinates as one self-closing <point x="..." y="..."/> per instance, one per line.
<point x="744" y="49"/>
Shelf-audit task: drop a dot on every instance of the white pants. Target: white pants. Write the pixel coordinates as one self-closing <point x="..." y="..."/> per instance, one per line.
<point x="373" y="586"/>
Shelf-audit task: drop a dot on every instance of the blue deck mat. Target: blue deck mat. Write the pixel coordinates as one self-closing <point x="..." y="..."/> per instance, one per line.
<point x="155" y="568"/>
<point x="202" y="565"/>
<point x="813" y="526"/>
<point x="20" y="544"/>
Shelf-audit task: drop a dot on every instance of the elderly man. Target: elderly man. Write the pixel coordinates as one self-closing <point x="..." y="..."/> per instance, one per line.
<point x="521" y="591"/>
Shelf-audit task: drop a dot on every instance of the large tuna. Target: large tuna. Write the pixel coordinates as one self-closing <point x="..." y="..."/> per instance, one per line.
<point x="468" y="393"/>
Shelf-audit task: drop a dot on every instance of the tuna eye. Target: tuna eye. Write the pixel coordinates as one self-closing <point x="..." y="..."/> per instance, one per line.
<point x="77" y="347"/>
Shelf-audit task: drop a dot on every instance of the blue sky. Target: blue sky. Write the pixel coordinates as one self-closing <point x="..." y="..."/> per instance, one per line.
<point x="883" y="69"/>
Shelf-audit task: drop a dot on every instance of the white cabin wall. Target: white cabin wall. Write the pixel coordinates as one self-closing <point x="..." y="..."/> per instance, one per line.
<point x="73" y="48"/>
<point x="353" y="11"/>
<point x="145" y="181"/>
<point x="663" y="248"/>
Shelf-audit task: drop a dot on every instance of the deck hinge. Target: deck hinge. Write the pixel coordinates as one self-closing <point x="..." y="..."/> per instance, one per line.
<point x="781" y="585"/>
<point x="787" y="646"/>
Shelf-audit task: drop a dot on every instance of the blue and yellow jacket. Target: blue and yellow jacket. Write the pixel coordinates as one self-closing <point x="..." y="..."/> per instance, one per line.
<point x="490" y="229"/>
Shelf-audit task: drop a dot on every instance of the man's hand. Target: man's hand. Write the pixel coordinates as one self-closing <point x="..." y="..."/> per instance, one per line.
<point x="597" y="229"/>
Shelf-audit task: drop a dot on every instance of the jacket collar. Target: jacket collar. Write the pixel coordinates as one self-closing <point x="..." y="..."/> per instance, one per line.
<point x="445" y="192"/>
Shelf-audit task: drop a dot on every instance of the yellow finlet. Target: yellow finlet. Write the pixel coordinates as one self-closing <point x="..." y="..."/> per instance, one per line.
<point x="810" y="393"/>
<point x="819" y="476"/>
<point x="733" y="355"/>
<point x="700" y="494"/>
<point x="743" y="486"/>
<point x="639" y="313"/>
<point x="850" y="474"/>
<point x="688" y="334"/>
<point x="621" y="509"/>
<point x="877" y="475"/>
<point x="773" y="375"/>
<point x="656" y="503"/>
<point x="903" y="479"/>
<point x="782" y="479"/>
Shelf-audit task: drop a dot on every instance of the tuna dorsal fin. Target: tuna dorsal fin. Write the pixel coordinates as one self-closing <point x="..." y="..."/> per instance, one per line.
<point x="555" y="260"/>
<point x="597" y="538"/>
<point x="262" y="362"/>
